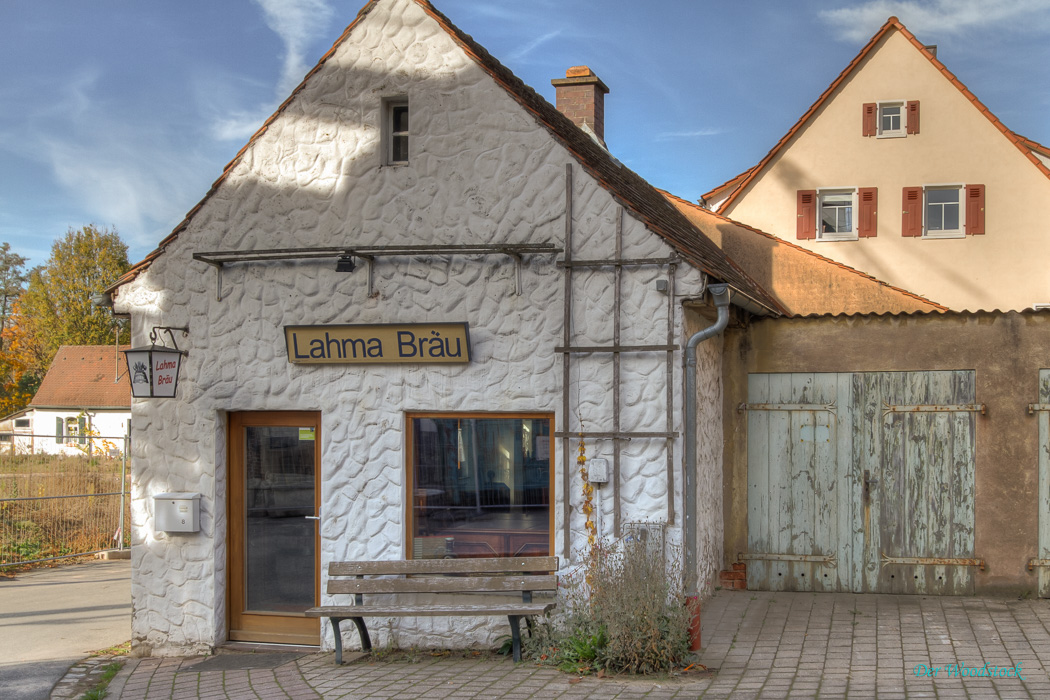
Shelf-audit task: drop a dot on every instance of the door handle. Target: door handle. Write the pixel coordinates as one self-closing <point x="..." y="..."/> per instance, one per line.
<point x="312" y="517"/>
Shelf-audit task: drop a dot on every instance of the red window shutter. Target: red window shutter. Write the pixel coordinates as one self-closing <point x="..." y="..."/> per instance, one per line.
<point x="911" y="221"/>
<point x="913" y="116"/>
<point x="868" y="203"/>
<point x="807" y="215"/>
<point x="975" y="210"/>
<point x="870" y="119"/>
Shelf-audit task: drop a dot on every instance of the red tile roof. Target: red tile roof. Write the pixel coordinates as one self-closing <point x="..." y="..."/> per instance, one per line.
<point x="703" y="213"/>
<point x="629" y="189"/>
<point x="82" y="376"/>
<point x="1026" y="146"/>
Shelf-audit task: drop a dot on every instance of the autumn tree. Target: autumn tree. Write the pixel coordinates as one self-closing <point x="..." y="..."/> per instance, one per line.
<point x="55" y="309"/>
<point x="12" y="283"/>
<point x="15" y="392"/>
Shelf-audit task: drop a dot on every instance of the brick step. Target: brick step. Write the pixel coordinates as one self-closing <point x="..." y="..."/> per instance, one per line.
<point x="734" y="579"/>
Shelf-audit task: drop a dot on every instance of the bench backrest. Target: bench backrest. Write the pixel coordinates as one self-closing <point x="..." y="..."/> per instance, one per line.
<point x="508" y="574"/>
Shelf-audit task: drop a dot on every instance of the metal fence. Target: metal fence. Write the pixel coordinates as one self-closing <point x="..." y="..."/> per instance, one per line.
<point x="62" y="497"/>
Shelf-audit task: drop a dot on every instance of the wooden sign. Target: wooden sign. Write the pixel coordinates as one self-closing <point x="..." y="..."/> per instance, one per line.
<point x="393" y="343"/>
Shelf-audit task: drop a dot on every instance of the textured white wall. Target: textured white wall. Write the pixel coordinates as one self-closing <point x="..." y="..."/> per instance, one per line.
<point x="481" y="170"/>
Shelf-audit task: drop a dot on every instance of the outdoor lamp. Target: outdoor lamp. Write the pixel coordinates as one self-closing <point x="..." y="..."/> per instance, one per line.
<point x="345" y="263"/>
<point x="154" y="369"/>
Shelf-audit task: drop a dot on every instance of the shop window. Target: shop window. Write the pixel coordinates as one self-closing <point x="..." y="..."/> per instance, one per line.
<point x="395" y="130"/>
<point x="479" y="485"/>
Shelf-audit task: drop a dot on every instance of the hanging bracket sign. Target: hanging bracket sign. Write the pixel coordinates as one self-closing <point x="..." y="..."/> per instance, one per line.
<point x="388" y="343"/>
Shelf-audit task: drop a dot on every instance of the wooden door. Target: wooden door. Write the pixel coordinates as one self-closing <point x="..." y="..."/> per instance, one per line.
<point x="274" y="539"/>
<point x="861" y="482"/>
<point x="1043" y="417"/>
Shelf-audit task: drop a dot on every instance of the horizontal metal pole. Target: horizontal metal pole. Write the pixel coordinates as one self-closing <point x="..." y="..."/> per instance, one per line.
<point x="219" y="257"/>
<point x="826" y="559"/>
<point x="960" y="408"/>
<point x="1033" y="407"/>
<point x="48" y="498"/>
<point x="616" y="348"/>
<point x="931" y="561"/>
<point x="830" y="407"/>
<point x="624" y="262"/>
<point x="616" y="436"/>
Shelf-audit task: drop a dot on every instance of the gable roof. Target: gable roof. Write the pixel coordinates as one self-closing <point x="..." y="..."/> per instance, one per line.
<point x="82" y="377"/>
<point x="739" y="183"/>
<point x="803" y="281"/>
<point x="626" y="186"/>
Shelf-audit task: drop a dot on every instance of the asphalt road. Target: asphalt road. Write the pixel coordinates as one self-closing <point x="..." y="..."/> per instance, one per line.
<point x="52" y="618"/>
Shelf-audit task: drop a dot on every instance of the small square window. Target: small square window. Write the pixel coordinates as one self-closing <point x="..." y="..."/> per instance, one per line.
<point x="836" y="221"/>
<point x="892" y="119"/>
<point x="943" y="213"/>
<point x="395" y="128"/>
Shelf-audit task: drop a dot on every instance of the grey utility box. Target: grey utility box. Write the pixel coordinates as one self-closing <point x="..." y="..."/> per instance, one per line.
<point x="177" y="512"/>
<point x="598" y="470"/>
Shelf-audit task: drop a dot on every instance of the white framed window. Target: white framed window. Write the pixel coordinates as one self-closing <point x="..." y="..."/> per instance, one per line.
<point x="944" y="214"/>
<point x="395" y="131"/>
<point x="892" y="119"/>
<point x="836" y="214"/>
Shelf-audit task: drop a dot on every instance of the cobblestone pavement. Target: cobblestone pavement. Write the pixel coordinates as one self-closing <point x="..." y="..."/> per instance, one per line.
<point x="756" y="645"/>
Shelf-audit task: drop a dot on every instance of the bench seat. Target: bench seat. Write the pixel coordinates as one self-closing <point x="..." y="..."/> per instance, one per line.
<point x="519" y="576"/>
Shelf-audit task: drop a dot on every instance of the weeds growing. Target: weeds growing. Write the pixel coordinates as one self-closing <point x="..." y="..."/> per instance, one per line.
<point x="624" y="612"/>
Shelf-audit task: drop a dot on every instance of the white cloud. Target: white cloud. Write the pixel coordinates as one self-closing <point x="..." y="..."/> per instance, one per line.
<point x="937" y="17"/>
<point x="297" y="23"/>
<point x="528" y="48"/>
<point x="128" y="180"/>
<point x="696" y="133"/>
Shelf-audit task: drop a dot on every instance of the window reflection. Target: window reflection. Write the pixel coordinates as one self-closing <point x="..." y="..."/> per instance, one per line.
<point x="480" y="487"/>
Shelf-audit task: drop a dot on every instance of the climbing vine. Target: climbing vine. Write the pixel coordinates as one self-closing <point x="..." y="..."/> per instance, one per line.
<point x="588" y="498"/>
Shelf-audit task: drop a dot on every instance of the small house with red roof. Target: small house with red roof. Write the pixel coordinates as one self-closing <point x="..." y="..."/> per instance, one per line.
<point x="899" y="171"/>
<point x="83" y="401"/>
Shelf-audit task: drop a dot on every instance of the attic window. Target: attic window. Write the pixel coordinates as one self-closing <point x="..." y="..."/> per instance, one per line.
<point x="395" y="130"/>
<point x="892" y="119"/>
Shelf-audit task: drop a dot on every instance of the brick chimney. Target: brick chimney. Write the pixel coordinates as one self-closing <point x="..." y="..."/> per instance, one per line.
<point x="581" y="98"/>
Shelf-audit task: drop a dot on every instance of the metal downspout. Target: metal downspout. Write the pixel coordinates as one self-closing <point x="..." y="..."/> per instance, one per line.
<point x="720" y="296"/>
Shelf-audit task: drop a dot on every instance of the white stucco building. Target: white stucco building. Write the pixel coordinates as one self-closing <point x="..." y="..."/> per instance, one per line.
<point x="474" y="212"/>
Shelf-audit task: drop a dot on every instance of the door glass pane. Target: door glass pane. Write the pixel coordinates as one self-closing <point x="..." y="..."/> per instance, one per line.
<point x="279" y="546"/>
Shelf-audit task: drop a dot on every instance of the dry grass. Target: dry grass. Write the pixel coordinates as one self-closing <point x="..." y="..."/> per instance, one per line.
<point x="61" y="509"/>
<point x="624" y="612"/>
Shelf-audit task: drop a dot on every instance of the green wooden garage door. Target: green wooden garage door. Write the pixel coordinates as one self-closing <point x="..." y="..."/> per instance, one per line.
<point x="858" y="481"/>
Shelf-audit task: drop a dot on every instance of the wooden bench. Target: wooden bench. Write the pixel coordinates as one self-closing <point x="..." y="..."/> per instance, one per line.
<point x="446" y="577"/>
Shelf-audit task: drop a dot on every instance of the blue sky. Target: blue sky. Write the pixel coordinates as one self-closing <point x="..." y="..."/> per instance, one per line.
<point x="123" y="113"/>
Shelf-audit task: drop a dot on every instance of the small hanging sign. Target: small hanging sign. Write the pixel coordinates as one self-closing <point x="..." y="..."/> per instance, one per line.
<point x="393" y="343"/>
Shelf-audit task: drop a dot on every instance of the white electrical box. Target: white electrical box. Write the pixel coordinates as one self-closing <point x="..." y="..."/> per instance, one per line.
<point x="177" y="512"/>
<point x="598" y="471"/>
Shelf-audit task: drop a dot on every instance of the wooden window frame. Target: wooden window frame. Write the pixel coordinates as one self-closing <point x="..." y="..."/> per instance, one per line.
<point x="823" y="192"/>
<point x="961" y="203"/>
<point x="902" y="130"/>
<point x="408" y="497"/>
<point x="389" y="135"/>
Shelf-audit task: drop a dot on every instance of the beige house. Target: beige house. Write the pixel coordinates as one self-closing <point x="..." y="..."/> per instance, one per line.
<point x="899" y="171"/>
